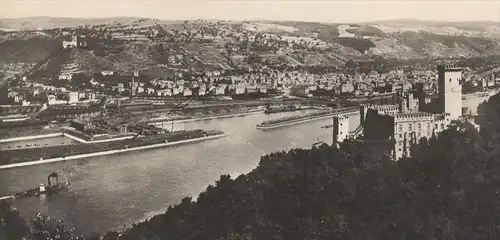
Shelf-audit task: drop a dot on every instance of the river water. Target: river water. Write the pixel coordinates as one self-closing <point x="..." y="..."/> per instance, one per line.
<point x="109" y="192"/>
<point x="112" y="192"/>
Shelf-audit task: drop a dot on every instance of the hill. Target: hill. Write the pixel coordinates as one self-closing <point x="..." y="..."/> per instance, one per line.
<point x="145" y="44"/>
<point x="38" y="23"/>
<point x="30" y="51"/>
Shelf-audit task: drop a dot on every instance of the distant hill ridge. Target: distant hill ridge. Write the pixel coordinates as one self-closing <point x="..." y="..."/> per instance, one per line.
<point x="337" y="43"/>
<point x="43" y="22"/>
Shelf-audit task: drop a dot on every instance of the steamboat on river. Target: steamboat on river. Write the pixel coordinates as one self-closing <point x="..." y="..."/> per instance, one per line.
<point x="53" y="186"/>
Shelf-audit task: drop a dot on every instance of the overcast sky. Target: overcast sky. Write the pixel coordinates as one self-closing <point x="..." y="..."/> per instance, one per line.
<point x="299" y="10"/>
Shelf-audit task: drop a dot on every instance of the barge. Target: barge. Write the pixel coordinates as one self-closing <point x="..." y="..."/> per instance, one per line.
<point x="42" y="189"/>
<point x="300" y="119"/>
<point x="279" y="109"/>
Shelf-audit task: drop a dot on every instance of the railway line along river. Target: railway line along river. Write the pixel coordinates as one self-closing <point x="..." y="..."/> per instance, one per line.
<point x="112" y="192"/>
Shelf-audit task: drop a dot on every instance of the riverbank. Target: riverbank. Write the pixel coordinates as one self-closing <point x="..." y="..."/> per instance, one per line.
<point x="80" y="156"/>
<point x="26" y="138"/>
<point x="24" y="157"/>
<point x="302" y="119"/>
<point x="487" y="93"/>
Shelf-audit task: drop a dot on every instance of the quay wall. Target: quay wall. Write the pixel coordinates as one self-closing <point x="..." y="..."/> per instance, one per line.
<point x="15" y="139"/>
<point x="87" y="155"/>
<point x="96" y="141"/>
<point x="58" y="135"/>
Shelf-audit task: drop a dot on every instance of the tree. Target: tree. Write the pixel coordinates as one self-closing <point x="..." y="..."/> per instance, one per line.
<point x="12" y="225"/>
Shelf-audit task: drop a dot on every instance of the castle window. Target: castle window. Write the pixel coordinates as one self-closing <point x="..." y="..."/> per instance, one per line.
<point x="442" y="125"/>
<point x="436" y="126"/>
<point x="400" y="128"/>
<point x="400" y="135"/>
<point x="410" y="127"/>
<point x="419" y="126"/>
<point x="428" y="126"/>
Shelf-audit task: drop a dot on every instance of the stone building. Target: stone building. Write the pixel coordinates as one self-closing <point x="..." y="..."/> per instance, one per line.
<point x="450" y="90"/>
<point x="340" y="128"/>
<point x="404" y="124"/>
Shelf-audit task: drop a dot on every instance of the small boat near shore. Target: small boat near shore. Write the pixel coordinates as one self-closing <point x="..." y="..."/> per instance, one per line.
<point x="53" y="186"/>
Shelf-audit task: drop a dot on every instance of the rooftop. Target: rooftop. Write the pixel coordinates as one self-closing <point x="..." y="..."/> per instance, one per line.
<point x="413" y="115"/>
<point x="449" y="67"/>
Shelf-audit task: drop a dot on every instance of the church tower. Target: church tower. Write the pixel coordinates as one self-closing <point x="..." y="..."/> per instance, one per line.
<point x="450" y="90"/>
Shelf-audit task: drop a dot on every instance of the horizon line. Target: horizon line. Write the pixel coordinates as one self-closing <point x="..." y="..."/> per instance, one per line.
<point x="255" y="19"/>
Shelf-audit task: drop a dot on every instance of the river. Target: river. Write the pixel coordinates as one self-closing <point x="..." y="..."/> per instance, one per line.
<point x="109" y="192"/>
<point x="112" y="192"/>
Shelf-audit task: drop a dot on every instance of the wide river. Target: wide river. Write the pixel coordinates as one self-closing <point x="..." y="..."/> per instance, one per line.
<point x="115" y="191"/>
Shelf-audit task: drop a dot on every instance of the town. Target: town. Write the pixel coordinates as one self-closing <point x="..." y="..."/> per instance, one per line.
<point x="382" y="130"/>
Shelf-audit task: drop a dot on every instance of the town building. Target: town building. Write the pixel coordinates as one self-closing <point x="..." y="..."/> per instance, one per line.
<point x="69" y="112"/>
<point x="300" y="91"/>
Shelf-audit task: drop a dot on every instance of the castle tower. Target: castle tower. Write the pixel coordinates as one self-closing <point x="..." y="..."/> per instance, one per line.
<point x="412" y="103"/>
<point x="132" y="85"/>
<point x="403" y="104"/>
<point x="450" y="90"/>
<point x="340" y="128"/>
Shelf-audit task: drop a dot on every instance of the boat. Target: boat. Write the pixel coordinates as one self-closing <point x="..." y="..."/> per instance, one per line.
<point x="51" y="187"/>
<point x="317" y="143"/>
<point x="279" y="109"/>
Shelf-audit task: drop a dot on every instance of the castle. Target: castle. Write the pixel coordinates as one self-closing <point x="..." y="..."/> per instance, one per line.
<point x="404" y="123"/>
<point x="76" y="42"/>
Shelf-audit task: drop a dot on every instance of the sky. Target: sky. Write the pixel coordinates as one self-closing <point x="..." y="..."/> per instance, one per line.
<point x="298" y="10"/>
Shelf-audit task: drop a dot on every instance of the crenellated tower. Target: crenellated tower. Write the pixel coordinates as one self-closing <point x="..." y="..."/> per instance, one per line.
<point x="450" y="90"/>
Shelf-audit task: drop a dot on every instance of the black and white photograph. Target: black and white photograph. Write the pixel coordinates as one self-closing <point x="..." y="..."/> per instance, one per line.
<point x="249" y="119"/>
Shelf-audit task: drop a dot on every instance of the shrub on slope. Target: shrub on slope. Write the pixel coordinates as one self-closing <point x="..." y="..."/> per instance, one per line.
<point x="28" y="51"/>
<point x="359" y="44"/>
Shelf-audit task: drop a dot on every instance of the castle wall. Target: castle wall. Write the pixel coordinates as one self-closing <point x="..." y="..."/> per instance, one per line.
<point x="409" y="128"/>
